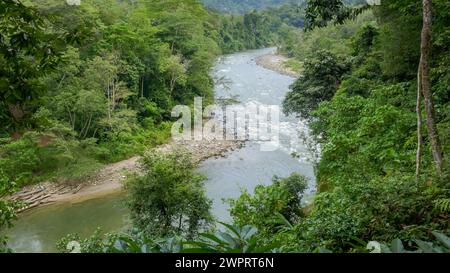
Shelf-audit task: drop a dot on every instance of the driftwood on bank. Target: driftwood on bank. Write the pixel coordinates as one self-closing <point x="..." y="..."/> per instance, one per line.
<point x="30" y="198"/>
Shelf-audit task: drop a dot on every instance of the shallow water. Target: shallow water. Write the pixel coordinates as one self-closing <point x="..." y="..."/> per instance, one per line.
<point x="40" y="229"/>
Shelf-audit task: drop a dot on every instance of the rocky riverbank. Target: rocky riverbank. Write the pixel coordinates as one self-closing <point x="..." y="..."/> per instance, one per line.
<point x="276" y="63"/>
<point x="110" y="179"/>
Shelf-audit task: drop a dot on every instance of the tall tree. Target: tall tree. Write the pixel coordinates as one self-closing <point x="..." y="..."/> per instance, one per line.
<point x="424" y="87"/>
<point x="26" y="53"/>
<point x="419" y="126"/>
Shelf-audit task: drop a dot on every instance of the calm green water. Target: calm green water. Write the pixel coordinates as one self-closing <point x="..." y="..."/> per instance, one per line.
<point x="39" y="230"/>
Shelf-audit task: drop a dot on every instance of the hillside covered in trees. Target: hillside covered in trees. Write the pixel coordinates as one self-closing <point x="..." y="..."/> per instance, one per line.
<point x="243" y="6"/>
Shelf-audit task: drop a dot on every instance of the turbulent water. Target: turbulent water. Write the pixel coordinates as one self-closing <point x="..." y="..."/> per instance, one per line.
<point x="238" y="77"/>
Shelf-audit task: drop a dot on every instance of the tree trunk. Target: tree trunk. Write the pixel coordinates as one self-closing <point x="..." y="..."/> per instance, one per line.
<point x="88" y="127"/>
<point x="109" y="100"/>
<point x="419" y="126"/>
<point x="173" y="81"/>
<point x="142" y="86"/>
<point x="425" y="84"/>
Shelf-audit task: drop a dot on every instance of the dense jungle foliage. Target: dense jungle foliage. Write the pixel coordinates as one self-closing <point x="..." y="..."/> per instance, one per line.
<point x="85" y="85"/>
<point x="358" y="89"/>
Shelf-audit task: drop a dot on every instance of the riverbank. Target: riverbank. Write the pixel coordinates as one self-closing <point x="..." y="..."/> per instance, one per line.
<point x="277" y="63"/>
<point x="109" y="180"/>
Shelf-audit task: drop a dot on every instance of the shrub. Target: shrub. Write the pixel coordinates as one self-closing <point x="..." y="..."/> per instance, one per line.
<point x="262" y="209"/>
<point x="19" y="159"/>
<point x="169" y="198"/>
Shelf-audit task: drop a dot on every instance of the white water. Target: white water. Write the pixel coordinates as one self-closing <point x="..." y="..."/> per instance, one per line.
<point x="249" y="167"/>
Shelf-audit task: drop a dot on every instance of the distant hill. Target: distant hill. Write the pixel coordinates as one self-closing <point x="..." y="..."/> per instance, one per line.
<point x="242" y="6"/>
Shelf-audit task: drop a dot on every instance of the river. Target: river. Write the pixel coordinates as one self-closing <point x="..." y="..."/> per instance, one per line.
<point x="241" y="78"/>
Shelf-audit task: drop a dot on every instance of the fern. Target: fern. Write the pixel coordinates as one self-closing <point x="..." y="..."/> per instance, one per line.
<point x="443" y="205"/>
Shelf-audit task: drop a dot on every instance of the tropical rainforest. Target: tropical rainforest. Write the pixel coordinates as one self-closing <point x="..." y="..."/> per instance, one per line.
<point x="85" y="85"/>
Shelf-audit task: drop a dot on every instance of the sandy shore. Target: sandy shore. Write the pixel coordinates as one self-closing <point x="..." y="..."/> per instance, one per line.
<point x="110" y="179"/>
<point x="276" y="63"/>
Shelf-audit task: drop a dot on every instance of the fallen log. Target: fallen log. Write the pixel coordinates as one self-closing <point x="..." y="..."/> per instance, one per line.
<point x="26" y="194"/>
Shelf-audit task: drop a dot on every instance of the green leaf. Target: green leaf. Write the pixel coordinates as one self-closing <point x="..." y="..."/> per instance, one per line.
<point x="397" y="246"/>
<point x="324" y="250"/>
<point x="232" y="229"/>
<point x="442" y="238"/>
<point x="426" y="247"/>
<point x="230" y="241"/>
<point x="212" y="238"/>
<point x="283" y="220"/>
<point x="248" y="232"/>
